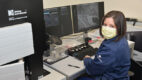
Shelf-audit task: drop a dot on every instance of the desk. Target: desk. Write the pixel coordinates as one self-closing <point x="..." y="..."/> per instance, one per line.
<point x="131" y="28"/>
<point x="62" y="66"/>
<point x="136" y="65"/>
<point x="72" y="72"/>
<point x="136" y="68"/>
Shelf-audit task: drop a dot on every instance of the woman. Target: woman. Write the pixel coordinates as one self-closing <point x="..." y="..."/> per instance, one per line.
<point x="112" y="61"/>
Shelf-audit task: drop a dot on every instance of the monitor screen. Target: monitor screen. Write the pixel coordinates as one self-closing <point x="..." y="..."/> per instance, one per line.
<point x="58" y="21"/>
<point x="51" y="17"/>
<point x="87" y="16"/>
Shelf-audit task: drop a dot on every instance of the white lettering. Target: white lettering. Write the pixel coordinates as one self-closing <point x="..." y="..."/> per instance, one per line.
<point x="11" y="18"/>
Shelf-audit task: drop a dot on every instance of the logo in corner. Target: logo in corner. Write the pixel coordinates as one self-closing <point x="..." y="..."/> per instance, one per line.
<point x="10" y="12"/>
<point x="17" y="14"/>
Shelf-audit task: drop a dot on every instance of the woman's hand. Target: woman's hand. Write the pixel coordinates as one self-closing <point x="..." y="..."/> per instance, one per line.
<point x="87" y="56"/>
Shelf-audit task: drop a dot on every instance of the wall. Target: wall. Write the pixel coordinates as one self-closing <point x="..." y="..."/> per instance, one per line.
<point x="131" y="8"/>
<point x="57" y="3"/>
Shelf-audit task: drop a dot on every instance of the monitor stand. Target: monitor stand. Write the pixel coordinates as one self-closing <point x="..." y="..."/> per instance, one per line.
<point x="45" y="72"/>
<point x="86" y="38"/>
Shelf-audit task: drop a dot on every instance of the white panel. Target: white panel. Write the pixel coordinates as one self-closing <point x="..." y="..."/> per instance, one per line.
<point x="16" y="41"/>
<point x="12" y="71"/>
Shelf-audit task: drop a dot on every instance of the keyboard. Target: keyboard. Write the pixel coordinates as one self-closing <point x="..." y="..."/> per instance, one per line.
<point x="80" y="51"/>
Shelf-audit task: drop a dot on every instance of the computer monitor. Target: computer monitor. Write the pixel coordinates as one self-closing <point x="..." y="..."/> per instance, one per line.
<point x="87" y="16"/>
<point x="58" y="21"/>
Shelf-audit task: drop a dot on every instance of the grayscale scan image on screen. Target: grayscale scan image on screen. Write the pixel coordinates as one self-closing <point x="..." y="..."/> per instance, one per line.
<point x="88" y="15"/>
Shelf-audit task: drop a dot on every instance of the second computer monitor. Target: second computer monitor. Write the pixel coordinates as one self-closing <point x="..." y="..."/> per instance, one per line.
<point x="87" y="16"/>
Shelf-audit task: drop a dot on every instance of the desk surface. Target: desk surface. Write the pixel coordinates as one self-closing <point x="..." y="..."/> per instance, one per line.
<point x="68" y="71"/>
<point x="52" y="75"/>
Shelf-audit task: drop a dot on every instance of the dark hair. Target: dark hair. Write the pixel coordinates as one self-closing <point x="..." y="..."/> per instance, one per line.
<point x="119" y="21"/>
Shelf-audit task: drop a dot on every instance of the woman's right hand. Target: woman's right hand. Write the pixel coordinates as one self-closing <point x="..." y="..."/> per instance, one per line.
<point x="87" y="56"/>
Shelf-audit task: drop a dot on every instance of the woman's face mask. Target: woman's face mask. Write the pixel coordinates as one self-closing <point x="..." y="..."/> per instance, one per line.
<point x="108" y="32"/>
